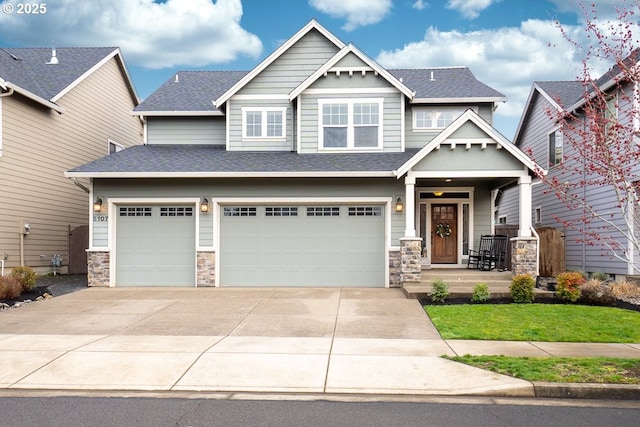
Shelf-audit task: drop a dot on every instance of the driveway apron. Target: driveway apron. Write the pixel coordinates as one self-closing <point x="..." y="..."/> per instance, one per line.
<point x="316" y="340"/>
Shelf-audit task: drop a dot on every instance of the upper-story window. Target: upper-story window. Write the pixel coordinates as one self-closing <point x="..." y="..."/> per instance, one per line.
<point x="263" y="122"/>
<point x="114" y="147"/>
<point x="350" y="123"/>
<point x="427" y="118"/>
<point x="555" y="148"/>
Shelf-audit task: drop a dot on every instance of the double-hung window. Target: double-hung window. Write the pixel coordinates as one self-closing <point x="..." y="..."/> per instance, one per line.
<point x="555" y="148"/>
<point x="350" y="123"/>
<point x="263" y="122"/>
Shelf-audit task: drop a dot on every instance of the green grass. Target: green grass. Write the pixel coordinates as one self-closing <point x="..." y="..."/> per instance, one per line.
<point x="536" y="322"/>
<point x="602" y="370"/>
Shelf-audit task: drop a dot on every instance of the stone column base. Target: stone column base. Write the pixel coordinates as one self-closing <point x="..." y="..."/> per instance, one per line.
<point x="395" y="268"/>
<point x="524" y="256"/>
<point x="410" y="259"/>
<point x="98" y="264"/>
<point x="206" y="269"/>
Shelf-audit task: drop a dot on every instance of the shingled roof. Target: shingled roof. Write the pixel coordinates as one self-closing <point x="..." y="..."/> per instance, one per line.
<point x="565" y="93"/>
<point x="214" y="160"/>
<point x="27" y="68"/>
<point x="194" y="91"/>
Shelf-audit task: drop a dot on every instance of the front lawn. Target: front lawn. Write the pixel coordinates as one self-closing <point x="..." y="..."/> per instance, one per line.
<point x="603" y="370"/>
<point x="536" y="322"/>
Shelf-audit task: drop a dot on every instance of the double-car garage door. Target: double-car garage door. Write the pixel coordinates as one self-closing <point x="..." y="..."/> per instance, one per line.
<point x="260" y="245"/>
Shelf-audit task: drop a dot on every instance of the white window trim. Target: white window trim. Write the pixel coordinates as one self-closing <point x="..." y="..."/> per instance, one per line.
<point x="502" y="219"/>
<point x="263" y="132"/>
<point x="556" y="164"/>
<point x="415" y="110"/>
<point x="110" y="142"/>
<point x="350" y="126"/>
<point x="537" y="215"/>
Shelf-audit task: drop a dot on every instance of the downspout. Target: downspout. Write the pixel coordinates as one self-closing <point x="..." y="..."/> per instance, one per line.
<point x="75" y="181"/>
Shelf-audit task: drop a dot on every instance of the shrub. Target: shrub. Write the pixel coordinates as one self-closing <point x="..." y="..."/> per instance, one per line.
<point x="521" y="288"/>
<point x="26" y="276"/>
<point x="10" y="287"/>
<point x="624" y="289"/>
<point x="439" y="290"/>
<point x="599" y="275"/>
<point x="568" y="286"/>
<point x="481" y="293"/>
<point x="594" y="291"/>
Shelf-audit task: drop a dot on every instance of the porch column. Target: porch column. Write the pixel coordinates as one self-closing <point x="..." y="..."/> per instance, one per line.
<point x="410" y="206"/>
<point x="524" y="186"/>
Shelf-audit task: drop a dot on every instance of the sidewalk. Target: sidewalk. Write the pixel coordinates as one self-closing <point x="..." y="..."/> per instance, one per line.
<point x="366" y="341"/>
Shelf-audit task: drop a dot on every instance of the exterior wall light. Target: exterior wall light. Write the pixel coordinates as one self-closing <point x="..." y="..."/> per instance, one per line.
<point x="97" y="205"/>
<point x="399" y="205"/>
<point x="438" y="193"/>
<point x="204" y="205"/>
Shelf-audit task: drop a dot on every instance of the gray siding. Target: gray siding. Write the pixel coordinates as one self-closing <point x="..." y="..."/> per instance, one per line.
<point x="214" y="188"/>
<point x="392" y="122"/>
<point x="186" y="130"/>
<point x="293" y="66"/>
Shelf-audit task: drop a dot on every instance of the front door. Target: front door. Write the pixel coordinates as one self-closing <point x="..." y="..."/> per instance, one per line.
<point x="444" y="236"/>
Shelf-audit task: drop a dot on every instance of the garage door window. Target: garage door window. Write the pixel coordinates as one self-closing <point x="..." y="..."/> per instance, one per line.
<point x="239" y="211"/>
<point x="323" y="211"/>
<point x="281" y="211"/>
<point x="176" y="211"/>
<point x="135" y="211"/>
<point x="365" y="210"/>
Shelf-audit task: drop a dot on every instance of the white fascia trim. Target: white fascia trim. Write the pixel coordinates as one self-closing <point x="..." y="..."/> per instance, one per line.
<point x="177" y="113"/>
<point x="35" y="98"/>
<point x="336" y="58"/>
<point x="364" y="91"/>
<point x="458" y="100"/>
<point x="262" y="97"/>
<point x="472" y="116"/>
<point x="76" y="82"/>
<point x="314" y="174"/>
<point x="313" y="24"/>
<point x="0" y="127"/>
<point x="468" y="174"/>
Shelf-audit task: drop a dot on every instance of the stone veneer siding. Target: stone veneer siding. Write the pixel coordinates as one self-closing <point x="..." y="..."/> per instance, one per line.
<point x="395" y="269"/>
<point x="524" y="256"/>
<point x="411" y="262"/>
<point x="206" y="273"/>
<point x="98" y="268"/>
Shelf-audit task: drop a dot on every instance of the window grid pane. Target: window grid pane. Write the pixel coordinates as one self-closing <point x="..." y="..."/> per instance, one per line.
<point x="176" y="211"/>
<point x="365" y="210"/>
<point x="281" y="211"/>
<point x="239" y="211"/>
<point x="135" y="211"/>
<point x="254" y="123"/>
<point x="274" y="123"/>
<point x="323" y="211"/>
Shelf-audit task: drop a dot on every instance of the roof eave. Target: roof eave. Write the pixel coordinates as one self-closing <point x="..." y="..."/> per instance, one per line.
<point x="55" y="107"/>
<point x="459" y="100"/>
<point x="176" y="113"/>
<point x="255" y="174"/>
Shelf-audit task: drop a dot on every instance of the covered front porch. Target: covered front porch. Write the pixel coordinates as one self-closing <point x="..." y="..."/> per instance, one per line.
<point x="451" y="187"/>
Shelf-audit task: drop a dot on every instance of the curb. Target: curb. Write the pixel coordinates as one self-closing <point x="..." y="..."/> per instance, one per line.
<point x="587" y="391"/>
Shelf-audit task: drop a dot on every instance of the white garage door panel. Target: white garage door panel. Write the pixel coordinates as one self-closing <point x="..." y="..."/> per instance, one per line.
<point x="156" y="249"/>
<point x="302" y="250"/>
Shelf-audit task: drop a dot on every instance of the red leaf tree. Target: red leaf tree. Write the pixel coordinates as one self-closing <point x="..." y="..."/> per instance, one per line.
<point x="601" y="137"/>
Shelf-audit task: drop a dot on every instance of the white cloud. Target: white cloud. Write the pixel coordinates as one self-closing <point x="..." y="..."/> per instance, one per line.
<point x="152" y="35"/>
<point x="507" y="59"/>
<point x="420" y="5"/>
<point x="358" y="13"/>
<point x="470" y="9"/>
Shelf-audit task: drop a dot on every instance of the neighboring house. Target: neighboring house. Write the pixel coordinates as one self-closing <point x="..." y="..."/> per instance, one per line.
<point x="540" y="134"/>
<point x="318" y="167"/>
<point x="58" y="108"/>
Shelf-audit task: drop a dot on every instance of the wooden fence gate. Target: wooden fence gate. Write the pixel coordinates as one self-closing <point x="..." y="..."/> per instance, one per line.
<point x="552" y="255"/>
<point x="78" y="245"/>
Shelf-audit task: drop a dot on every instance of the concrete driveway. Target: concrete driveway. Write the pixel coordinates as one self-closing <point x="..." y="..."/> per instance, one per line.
<point x="341" y="340"/>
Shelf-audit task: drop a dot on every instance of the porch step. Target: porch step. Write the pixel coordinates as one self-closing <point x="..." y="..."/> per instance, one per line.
<point x="462" y="281"/>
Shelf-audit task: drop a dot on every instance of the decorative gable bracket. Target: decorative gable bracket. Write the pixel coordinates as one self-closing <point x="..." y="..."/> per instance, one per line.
<point x="351" y="71"/>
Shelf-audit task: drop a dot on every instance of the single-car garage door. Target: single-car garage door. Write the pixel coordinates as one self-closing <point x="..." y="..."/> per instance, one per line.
<point x="302" y="245"/>
<point x="155" y="246"/>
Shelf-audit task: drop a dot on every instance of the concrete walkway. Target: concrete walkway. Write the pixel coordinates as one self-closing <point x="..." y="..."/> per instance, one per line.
<point x="372" y="341"/>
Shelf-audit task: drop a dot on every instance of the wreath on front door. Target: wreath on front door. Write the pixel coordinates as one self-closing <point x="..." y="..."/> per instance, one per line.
<point x="443" y="230"/>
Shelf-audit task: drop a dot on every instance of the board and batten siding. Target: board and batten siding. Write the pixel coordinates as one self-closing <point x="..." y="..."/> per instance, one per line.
<point x="186" y="130"/>
<point x="248" y="188"/>
<point x="39" y="145"/>
<point x="293" y="66"/>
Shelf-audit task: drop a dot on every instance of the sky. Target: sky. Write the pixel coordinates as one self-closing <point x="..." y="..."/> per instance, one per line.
<point x="507" y="44"/>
